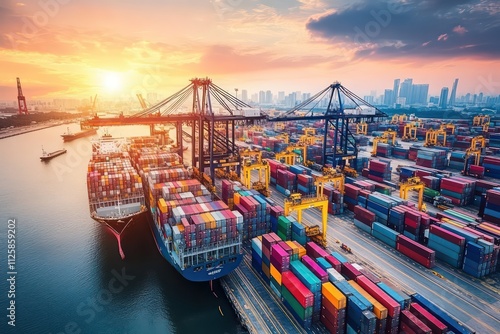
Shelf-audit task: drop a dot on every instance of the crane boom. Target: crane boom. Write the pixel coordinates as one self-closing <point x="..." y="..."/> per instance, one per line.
<point x="21" y="100"/>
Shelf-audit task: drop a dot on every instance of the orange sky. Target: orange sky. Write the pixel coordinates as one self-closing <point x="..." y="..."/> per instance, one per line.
<point x="68" y="48"/>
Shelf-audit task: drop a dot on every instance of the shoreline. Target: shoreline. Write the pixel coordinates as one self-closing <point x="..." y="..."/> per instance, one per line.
<point x="27" y="129"/>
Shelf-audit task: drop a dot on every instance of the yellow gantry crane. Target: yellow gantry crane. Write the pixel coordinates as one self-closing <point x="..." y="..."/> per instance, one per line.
<point x="480" y="120"/>
<point x="284" y="136"/>
<point x="377" y="140"/>
<point x="287" y="157"/>
<point x="410" y="132"/>
<point x="478" y="140"/>
<point x="395" y="119"/>
<point x="309" y="131"/>
<point x="485" y="127"/>
<point x="262" y="185"/>
<point x="413" y="183"/>
<point x="446" y="126"/>
<point x="296" y="202"/>
<point x="431" y="138"/>
<point x="362" y="128"/>
<point x="330" y="175"/>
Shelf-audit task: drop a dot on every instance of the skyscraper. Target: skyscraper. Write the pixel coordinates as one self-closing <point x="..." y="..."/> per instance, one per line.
<point x="405" y="90"/>
<point x="388" y="97"/>
<point x="395" y="90"/>
<point x="453" y="93"/>
<point x="262" y="97"/>
<point x="419" y="93"/>
<point x="443" y="98"/>
<point x="269" y="97"/>
<point x="244" y="95"/>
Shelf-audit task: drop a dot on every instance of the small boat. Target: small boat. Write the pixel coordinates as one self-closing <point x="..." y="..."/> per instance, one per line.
<point x="47" y="156"/>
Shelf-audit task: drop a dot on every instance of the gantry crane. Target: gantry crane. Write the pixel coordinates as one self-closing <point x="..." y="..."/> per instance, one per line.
<point x="409" y="132"/>
<point x="339" y="108"/>
<point x="309" y="131"/>
<point x="431" y="138"/>
<point x="142" y="102"/>
<point x="262" y="185"/>
<point x="390" y="135"/>
<point x="330" y="175"/>
<point x="284" y="136"/>
<point x="480" y="120"/>
<point x="471" y="152"/>
<point x="280" y="126"/>
<point x="308" y="139"/>
<point x="413" y="183"/>
<point x="377" y="140"/>
<point x="447" y="126"/>
<point x="485" y="127"/>
<point x="362" y="128"/>
<point x="395" y="119"/>
<point x="204" y="178"/>
<point x="478" y="142"/>
<point x="21" y="100"/>
<point x="296" y="202"/>
<point x="288" y="157"/>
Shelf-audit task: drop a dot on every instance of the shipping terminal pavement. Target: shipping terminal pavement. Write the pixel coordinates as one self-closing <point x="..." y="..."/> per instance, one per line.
<point x="473" y="302"/>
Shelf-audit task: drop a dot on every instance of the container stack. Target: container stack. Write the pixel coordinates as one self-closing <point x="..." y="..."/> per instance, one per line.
<point x="256" y="212"/>
<point x="363" y="218"/>
<point x="284" y="227"/>
<point x="297" y="298"/>
<point x="415" y="251"/>
<point x="433" y="158"/>
<point x="492" y="207"/>
<point x="405" y="173"/>
<point x="459" y="190"/>
<point x="396" y="219"/>
<point x="280" y="263"/>
<point x="305" y="184"/>
<point x="457" y="160"/>
<point x="285" y="180"/>
<point x="315" y="268"/>
<point x="492" y="167"/>
<point x="478" y="258"/>
<point x="268" y="240"/>
<point x="385" y="234"/>
<point x="379" y="171"/>
<point x="384" y="150"/>
<point x="400" y="152"/>
<point x="333" y="308"/>
<point x="494" y="140"/>
<point x="411" y="324"/>
<point x="428" y="319"/>
<point x="312" y="283"/>
<point x="379" y="310"/>
<point x="380" y="205"/>
<point x="275" y="212"/>
<point x="449" y="247"/>
<point x="351" y="193"/>
<point x="299" y="233"/>
<point x="274" y="166"/>
<point x="227" y="194"/>
<point x="431" y="182"/>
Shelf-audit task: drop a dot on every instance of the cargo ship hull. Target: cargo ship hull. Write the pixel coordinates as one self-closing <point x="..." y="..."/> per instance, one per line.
<point x="204" y="272"/>
<point x="72" y="136"/>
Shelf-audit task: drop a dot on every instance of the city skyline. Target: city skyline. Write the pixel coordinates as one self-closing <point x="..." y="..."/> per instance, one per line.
<point x="297" y="45"/>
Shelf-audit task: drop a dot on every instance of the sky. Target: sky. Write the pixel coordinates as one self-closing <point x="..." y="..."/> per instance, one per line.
<point x="118" y="48"/>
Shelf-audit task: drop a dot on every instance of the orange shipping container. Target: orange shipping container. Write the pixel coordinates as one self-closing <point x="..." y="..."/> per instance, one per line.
<point x="379" y="310"/>
<point x="275" y="274"/>
<point x="330" y="292"/>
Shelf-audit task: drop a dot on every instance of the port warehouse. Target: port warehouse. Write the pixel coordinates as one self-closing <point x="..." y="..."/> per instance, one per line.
<point x="453" y="236"/>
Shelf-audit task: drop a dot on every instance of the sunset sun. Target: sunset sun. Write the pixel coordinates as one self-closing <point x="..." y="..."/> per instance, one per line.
<point x="112" y="81"/>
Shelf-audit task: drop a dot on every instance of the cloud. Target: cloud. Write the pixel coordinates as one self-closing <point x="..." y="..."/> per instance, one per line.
<point x="381" y="29"/>
<point x="460" y="30"/>
<point x="442" y="37"/>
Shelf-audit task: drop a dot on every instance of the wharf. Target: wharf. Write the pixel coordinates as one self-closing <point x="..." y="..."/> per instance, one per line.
<point x="257" y="306"/>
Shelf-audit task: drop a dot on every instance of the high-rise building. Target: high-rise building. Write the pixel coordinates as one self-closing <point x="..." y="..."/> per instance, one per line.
<point x="244" y="95"/>
<point x="419" y="93"/>
<point x="388" y="96"/>
<point x="443" y="98"/>
<point x="453" y="93"/>
<point x="480" y="98"/>
<point x="395" y="90"/>
<point x="281" y="97"/>
<point x="262" y="97"/>
<point x="405" y="90"/>
<point x="269" y="97"/>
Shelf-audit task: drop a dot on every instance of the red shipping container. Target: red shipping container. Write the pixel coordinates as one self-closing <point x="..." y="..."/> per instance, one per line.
<point x="297" y="289"/>
<point x="392" y="306"/>
<point x="427" y="318"/>
<point x="349" y="271"/>
<point x="428" y="263"/>
<point x="447" y="235"/>
<point x="414" y="323"/>
<point x="336" y="264"/>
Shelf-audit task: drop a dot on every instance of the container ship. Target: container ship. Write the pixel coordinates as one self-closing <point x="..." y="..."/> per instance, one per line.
<point x="46" y="156"/>
<point x="116" y="196"/>
<point x="196" y="233"/>
<point x="72" y="136"/>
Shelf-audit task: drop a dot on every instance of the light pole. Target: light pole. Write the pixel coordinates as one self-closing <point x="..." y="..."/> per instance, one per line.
<point x="236" y="92"/>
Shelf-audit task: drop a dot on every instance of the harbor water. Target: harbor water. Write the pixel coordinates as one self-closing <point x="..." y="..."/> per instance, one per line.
<point x="68" y="274"/>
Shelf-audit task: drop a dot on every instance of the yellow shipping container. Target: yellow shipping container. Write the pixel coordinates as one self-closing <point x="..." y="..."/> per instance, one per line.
<point x="212" y="221"/>
<point x="379" y="309"/>
<point x="162" y="205"/>
<point x="337" y="298"/>
<point x="275" y="273"/>
<point x="181" y="228"/>
<point x="302" y="250"/>
<point x="237" y="198"/>
<point x="295" y="249"/>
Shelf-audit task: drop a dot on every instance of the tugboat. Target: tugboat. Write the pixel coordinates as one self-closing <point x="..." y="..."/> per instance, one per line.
<point x="47" y="156"/>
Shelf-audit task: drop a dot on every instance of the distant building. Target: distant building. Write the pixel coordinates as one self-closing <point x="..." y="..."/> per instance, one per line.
<point x="405" y="90"/>
<point x="262" y="97"/>
<point x="453" y="93"/>
<point x="434" y="100"/>
<point x="388" y="97"/>
<point x="244" y="95"/>
<point x="395" y="90"/>
<point x="443" y="98"/>
<point x="269" y="97"/>
<point x="281" y="97"/>
<point x="419" y="93"/>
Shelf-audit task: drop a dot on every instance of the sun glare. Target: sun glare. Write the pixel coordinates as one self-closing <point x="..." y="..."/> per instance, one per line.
<point x="112" y="81"/>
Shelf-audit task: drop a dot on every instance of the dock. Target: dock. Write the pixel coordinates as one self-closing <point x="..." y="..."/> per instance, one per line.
<point x="257" y="306"/>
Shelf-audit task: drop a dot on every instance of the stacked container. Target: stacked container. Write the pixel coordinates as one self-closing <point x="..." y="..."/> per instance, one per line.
<point x="379" y="170"/>
<point x="433" y="158"/>
<point x="385" y="234"/>
<point x="351" y="193"/>
<point x="449" y="247"/>
<point x="333" y="308"/>
<point x="459" y="190"/>
<point x="419" y="253"/>
<point x="384" y="150"/>
<point x="285" y="180"/>
<point x="492" y="166"/>
<point x="305" y="184"/>
<point x="312" y="283"/>
<point x="363" y="218"/>
<point x="492" y="206"/>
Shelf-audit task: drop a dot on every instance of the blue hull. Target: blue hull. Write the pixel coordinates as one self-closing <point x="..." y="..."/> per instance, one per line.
<point x="201" y="273"/>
